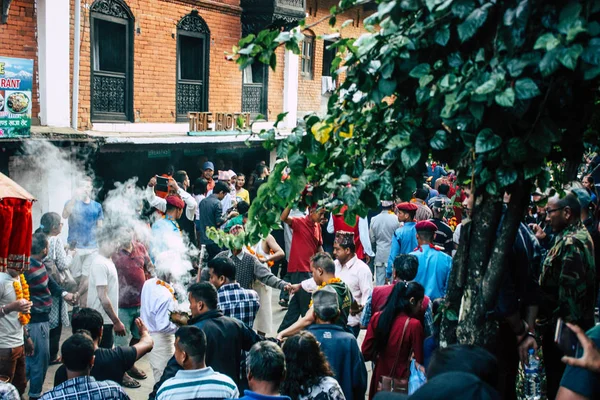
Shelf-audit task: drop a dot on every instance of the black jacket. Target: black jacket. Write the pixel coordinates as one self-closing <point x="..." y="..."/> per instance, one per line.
<point x="225" y="339"/>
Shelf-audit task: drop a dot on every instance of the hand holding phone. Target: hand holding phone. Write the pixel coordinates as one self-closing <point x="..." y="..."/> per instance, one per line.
<point x="566" y="339"/>
<point x="162" y="184"/>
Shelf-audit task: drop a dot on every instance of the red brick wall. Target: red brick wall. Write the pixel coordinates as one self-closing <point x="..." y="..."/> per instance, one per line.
<point x="155" y="55"/>
<point x="275" y="98"/>
<point x="18" y="39"/>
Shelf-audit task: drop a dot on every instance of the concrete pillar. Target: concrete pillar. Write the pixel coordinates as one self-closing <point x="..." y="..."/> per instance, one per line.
<point x="53" y="62"/>
<point x="290" y="89"/>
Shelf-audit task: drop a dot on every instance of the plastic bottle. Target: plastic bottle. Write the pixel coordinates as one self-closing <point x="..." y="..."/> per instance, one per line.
<point x="532" y="378"/>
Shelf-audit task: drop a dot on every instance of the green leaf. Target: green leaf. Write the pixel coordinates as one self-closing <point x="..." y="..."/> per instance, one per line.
<point x="530" y="172"/>
<point x="442" y="36"/>
<point x="506" y="176"/>
<point x="420" y="70"/>
<point x="568" y="16"/>
<point x="425" y="80"/>
<point x="487" y="87"/>
<point x="474" y="21"/>
<point x="439" y="141"/>
<point x="451" y="315"/>
<point x="487" y="141"/>
<point x="591" y="73"/>
<point x="410" y="156"/>
<point x="477" y="110"/>
<point x="491" y="188"/>
<point x="480" y="57"/>
<point x="526" y="89"/>
<point x="386" y="86"/>
<point x="516" y="150"/>
<point x="591" y="55"/>
<point x="506" y="98"/>
<point x="273" y="61"/>
<point x="398" y="141"/>
<point x="575" y="30"/>
<point x="549" y="64"/>
<point x="462" y="8"/>
<point x="569" y="56"/>
<point x="547" y="41"/>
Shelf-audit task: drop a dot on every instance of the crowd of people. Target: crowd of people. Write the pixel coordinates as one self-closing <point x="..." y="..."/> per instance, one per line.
<point x="206" y="333"/>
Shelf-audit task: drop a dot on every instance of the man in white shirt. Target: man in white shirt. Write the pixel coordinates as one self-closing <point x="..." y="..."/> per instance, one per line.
<point x="355" y="274"/>
<point x="158" y="301"/>
<point x="103" y="290"/>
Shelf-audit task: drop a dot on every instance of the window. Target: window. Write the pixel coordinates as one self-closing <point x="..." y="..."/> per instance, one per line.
<point x="112" y="60"/>
<point x="254" y="89"/>
<point x="308" y="52"/>
<point x="328" y="56"/>
<point x="192" y="65"/>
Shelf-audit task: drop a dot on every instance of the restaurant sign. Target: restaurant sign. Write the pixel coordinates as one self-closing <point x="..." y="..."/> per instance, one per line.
<point x="16" y="83"/>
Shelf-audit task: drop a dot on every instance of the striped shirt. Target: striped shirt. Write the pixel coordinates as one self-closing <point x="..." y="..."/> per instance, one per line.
<point x="202" y="383"/>
<point x="40" y="286"/>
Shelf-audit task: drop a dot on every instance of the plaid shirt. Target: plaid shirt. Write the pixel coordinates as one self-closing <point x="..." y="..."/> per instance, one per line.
<point x="237" y="302"/>
<point x="86" y="388"/>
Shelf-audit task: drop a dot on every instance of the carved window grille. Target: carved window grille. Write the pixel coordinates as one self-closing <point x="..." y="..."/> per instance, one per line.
<point x="308" y="55"/>
<point x="254" y="89"/>
<point x="193" y="38"/>
<point x="112" y="61"/>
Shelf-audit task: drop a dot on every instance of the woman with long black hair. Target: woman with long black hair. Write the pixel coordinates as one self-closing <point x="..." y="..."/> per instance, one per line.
<point x="309" y="376"/>
<point x="395" y="334"/>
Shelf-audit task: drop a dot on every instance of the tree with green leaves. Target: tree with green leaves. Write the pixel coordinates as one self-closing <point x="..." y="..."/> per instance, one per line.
<point x="496" y="89"/>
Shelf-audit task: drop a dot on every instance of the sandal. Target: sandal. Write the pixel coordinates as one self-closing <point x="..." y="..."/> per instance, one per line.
<point x="56" y="361"/>
<point x="283" y="303"/>
<point x="130" y="383"/>
<point x="137" y="374"/>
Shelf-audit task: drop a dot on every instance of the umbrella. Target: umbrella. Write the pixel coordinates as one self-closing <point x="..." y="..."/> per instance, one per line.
<point x="15" y="225"/>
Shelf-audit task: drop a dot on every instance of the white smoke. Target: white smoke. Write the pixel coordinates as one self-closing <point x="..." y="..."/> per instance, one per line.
<point x="49" y="173"/>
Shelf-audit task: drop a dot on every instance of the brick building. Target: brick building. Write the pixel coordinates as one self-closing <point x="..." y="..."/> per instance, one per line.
<point x="120" y="76"/>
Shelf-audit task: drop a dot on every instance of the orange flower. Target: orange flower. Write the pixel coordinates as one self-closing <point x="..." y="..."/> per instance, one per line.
<point x="165" y="284"/>
<point x="22" y="292"/>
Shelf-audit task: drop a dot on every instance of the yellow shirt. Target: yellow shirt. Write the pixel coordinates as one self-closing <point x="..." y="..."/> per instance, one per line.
<point x="244" y="195"/>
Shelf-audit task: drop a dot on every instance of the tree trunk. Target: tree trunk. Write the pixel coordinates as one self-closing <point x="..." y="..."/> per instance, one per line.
<point x="478" y="269"/>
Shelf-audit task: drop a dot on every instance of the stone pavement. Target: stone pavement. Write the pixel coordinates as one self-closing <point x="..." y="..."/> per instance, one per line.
<point x="142" y="392"/>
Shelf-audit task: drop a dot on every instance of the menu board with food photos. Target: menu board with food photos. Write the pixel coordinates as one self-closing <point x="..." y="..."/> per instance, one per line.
<point x="16" y="82"/>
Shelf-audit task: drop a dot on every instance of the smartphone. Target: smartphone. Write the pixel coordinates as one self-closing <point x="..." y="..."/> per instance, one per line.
<point x="162" y="184"/>
<point x="566" y="339"/>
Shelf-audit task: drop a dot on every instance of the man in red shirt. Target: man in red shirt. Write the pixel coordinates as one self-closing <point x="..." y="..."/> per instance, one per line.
<point x="307" y="240"/>
<point x="133" y="266"/>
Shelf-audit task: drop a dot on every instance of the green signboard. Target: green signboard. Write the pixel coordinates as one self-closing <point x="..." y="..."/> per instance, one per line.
<point x="16" y="83"/>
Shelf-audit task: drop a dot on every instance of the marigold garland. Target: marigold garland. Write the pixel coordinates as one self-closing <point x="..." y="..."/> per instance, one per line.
<point x="22" y="292"/>
<point x="165" y="284"/>
<point x="260" y="257"/>
<point x="322" y="285"/>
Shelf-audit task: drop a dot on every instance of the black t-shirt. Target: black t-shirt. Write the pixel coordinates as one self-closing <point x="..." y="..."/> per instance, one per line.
<point x="109" y="364"/>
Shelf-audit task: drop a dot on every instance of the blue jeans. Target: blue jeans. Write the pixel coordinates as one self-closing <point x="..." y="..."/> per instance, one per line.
<point x="37" y="365"/>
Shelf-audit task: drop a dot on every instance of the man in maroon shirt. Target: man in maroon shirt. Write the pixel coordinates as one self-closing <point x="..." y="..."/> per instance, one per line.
<point x="307" y="240"/>
<point x="133" y="268"/>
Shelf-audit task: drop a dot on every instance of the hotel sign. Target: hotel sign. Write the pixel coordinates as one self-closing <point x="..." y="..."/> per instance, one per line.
<point x="218" y="121"/>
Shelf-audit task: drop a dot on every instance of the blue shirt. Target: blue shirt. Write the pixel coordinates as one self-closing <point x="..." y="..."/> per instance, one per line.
<point x="434" y="270"/>
<point x="164" y="231"/>
<point x="83" y="222"/>
<point x="345" y="358"/>
<point x="403" y="242"/>
<point x="196" y="384"/>
<point x="249" y="395"/>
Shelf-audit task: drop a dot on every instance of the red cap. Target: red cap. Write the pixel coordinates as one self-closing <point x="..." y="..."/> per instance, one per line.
<point x="426" y="226"/>
<point x="406" y="206"/>
<point x="175" y="201"/>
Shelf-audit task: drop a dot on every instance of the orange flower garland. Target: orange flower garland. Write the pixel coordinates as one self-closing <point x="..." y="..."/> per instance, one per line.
<point x="165" y="284"/>
<point x="322" y="285"/>
<point x="260" y="257"/>
<point x="22" y="292"/>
